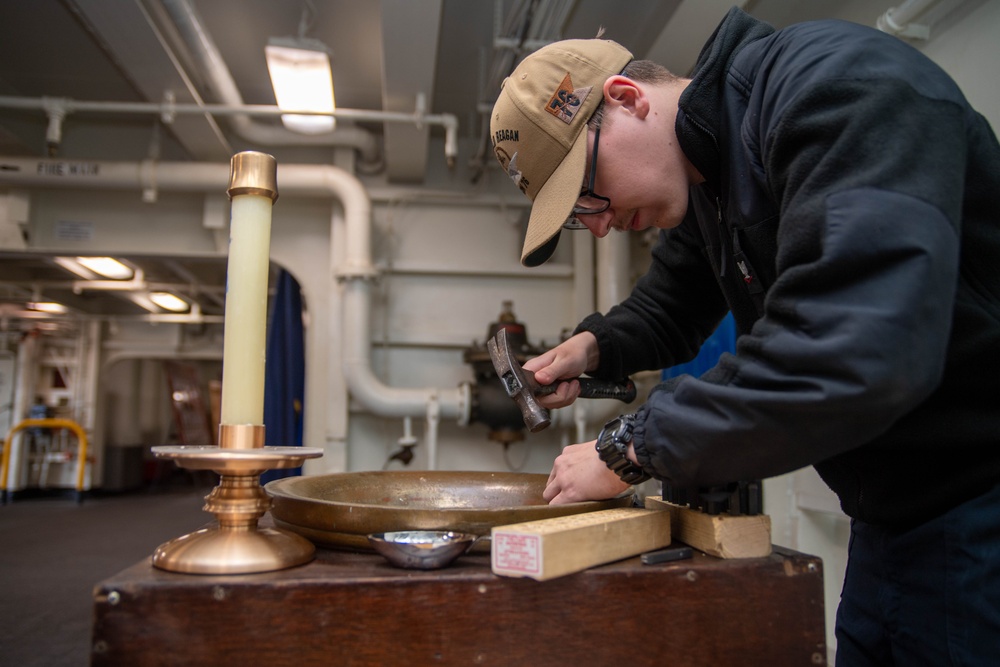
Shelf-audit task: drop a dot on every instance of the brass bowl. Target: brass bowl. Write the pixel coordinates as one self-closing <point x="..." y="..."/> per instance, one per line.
<point x="342" y="509"/>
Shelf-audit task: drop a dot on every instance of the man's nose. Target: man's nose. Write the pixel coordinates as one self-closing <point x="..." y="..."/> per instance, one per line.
<point x="599" y="224"/>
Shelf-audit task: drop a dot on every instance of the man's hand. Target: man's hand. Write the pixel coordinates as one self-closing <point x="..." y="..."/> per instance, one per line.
<point x="578" y="474"/>
<point x="570" y="359"/>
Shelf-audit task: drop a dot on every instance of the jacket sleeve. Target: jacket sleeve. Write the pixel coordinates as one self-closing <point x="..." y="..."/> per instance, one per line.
<point x="673" y="308"/>
<point x="868" y="176"/>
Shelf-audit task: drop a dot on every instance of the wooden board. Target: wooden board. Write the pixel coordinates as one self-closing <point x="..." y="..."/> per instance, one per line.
<point x="719" y="535"/>
<point x="555" y="547"/>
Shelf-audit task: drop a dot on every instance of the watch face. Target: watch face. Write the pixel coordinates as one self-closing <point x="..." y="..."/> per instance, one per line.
<point x="613" y="438"/>
<point x="622" y="428"/>
<point x="605" y="446"/>
<point x="612" y="445"/>
<point x="614" y="426"/>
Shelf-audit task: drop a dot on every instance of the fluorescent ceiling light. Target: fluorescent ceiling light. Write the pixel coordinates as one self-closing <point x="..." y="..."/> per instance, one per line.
<point x="168" y="301"/>
<point x="74" y="267"/>
<point x="50" y="307"/>
<point x="302" y="81"/>
<point x="107" y="267"/>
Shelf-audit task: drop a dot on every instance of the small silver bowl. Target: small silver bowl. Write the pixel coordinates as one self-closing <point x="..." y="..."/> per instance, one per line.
<point x="421" y="549"/>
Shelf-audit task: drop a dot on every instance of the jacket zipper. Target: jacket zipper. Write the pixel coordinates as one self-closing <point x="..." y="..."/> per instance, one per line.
<point x="753" y="286"/>
<point x="723" y="257"/>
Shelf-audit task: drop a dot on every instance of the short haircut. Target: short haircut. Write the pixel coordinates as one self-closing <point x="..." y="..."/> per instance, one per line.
<point x="643" y="71"/>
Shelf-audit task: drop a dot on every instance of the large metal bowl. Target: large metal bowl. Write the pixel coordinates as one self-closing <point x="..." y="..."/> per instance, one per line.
<point x="341" y="510"/>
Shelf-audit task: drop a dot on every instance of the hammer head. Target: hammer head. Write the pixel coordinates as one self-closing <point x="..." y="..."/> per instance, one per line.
<point x="519" y="383"/>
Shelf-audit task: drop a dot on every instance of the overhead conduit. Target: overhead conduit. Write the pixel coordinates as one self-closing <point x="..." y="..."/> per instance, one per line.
<point x="57" y="108"/>
<point x="241" y="116"/>
<point x="900" y="20"/>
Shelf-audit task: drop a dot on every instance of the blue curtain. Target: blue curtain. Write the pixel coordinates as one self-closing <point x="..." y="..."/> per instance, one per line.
<point x="723" y="339"/>
<point x="284" y="373"/>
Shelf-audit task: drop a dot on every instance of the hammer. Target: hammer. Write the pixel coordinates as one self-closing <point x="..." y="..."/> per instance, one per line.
<point x="522" y="387"/>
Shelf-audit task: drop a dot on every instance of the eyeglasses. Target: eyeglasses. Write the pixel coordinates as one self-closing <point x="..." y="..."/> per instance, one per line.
<point x="589" y="202"/>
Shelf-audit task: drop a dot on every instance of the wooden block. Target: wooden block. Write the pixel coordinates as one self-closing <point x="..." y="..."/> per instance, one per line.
<point x="551" y="548"/>
<point x="720" y="535"/>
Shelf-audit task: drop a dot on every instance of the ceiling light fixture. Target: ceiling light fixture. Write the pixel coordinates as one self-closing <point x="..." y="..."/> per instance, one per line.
<point x="302" y="81"/>
<point x="168" y="301"/>
<point x="50" y="307"/>
<point x="108" y="267"/>
<point x="90" y="268"/>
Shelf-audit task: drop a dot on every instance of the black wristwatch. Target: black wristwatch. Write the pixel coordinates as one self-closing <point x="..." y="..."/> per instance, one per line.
<point x="612" y="446"/>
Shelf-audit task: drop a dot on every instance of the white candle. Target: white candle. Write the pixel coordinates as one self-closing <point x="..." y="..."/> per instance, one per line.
<point x="245" y="327"/>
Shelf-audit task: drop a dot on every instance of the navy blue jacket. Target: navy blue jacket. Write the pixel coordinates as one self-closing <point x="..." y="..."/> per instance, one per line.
<point x="850" y="220"/>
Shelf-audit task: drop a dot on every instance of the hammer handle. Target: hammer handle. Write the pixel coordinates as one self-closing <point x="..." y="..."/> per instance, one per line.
<point x="593" y="388"/>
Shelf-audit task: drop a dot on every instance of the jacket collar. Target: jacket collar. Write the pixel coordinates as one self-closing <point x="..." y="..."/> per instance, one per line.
<point x="701" y="104"/>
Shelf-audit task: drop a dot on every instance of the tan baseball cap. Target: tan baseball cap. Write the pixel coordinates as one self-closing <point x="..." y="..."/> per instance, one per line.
<point x="538" y="130"/>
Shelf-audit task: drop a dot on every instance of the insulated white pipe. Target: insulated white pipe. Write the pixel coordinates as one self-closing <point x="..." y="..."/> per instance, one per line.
<point x="897" y="19"/>
<point x="584" y="301"/>
<point x="613" y="286"/>
<point x="613" y="257"/>
<point x="356" y="273"/>
<point x="89" y="354"/>
<point x="364" y="142"/>
<point x="433" y="421"/>
<point x="26" y="374"/>
<point x="304" y="180"/>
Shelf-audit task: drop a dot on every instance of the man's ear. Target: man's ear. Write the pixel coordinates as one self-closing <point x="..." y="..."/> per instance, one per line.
<point x="629" y="94"/>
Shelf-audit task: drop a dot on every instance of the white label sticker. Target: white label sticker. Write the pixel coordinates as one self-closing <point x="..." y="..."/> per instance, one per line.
<point x="517" y="553"/>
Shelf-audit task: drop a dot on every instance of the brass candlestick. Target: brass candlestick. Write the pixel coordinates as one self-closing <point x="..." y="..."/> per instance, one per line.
<point x="235" y="545"/>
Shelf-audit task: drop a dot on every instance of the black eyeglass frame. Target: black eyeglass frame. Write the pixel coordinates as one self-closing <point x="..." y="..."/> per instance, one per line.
<point x="573" y="222"/>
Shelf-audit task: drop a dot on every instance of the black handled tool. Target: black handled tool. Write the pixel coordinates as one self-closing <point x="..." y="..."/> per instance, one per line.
<point x="522" y="387"/>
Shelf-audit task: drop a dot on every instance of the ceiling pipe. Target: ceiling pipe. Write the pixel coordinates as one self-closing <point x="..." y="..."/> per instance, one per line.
<point x="898" y="20"/>
<point x="356" y="274"/>
<point x="529" y="25"/>
<point x="58" y="108"/>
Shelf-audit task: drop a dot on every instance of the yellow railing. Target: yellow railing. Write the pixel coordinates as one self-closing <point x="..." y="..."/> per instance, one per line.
<point x="53" y="424"/>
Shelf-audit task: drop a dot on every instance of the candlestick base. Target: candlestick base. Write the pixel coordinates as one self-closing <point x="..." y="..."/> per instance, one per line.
<point x="236" y="545"/>
<point x="217" y="550"/>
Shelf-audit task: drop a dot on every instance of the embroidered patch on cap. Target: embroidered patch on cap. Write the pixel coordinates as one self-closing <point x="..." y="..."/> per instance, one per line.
<point x="566" y="101"/>
<point x="513" y="171"/>
<point x="510" y="164"/>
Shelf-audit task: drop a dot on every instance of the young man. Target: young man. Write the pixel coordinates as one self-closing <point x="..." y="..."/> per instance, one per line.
<point x="833" y="189"/>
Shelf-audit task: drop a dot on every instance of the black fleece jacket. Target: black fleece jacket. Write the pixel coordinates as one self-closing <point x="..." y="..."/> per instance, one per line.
<point x="850" y="220"/>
